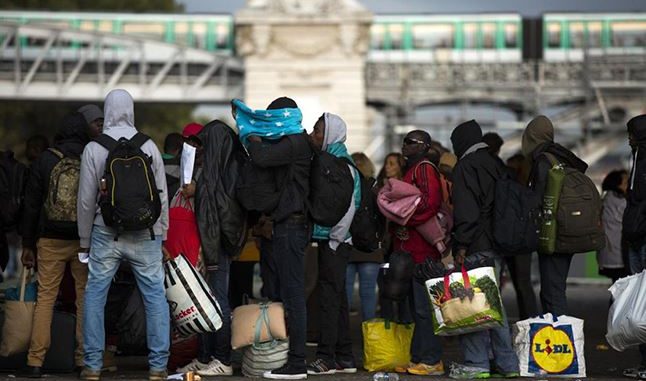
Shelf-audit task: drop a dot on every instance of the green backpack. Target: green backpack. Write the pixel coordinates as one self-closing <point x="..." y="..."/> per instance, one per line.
<point x="60" y="204"/>
<point x="571" y="212"/>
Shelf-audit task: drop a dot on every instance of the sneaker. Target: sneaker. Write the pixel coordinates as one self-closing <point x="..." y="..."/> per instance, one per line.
<point x="463" y="372"/>
<point x="30" y="372"/>
<point x="639" y="373"/>
<point x="347" y="367"/>
<point x="109" y="361"/>
<point x="88" y="374"/>
<point x="193" y="366"/>
<point x="286" y="372"/>
<point x="320" y="367"/>
<point x="404" y="368"/>
<point x="157" y="375"/>
<point x="216" y="368"/>
<point x="422" y="369"/>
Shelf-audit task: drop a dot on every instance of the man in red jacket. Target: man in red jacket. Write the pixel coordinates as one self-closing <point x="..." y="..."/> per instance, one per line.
<point x="426" y="348"/>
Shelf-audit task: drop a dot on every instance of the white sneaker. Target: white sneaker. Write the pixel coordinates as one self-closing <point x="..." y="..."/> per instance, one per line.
<point x="216" y="368"/>
<point x="193" y="366"/>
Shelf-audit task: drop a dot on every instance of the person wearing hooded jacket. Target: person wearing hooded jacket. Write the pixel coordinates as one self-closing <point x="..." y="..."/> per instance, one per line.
<point x="53" y="243"/>
<point x="537" y="140"/>
<point x="105" y="253"/>
<point x="334" y="352"/>
<point x="426" y="348"/>
<point x="474" y="179"/>
<point x="636" y="200"/>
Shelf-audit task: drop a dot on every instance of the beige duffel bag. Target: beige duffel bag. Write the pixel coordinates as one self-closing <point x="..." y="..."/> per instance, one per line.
<point x="257" y="323"/>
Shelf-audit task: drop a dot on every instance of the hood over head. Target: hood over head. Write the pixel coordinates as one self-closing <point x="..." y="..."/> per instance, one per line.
<point x="464" y="136"/>
<point x="637" y="127"/>
<point x="335" y="130"/>
<point x="72" y="135"/>
<point x="119" y="110"/>
<point x="539" y="131"/>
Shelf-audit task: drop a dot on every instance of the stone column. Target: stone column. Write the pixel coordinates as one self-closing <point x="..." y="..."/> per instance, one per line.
<point x="313" y="51"/>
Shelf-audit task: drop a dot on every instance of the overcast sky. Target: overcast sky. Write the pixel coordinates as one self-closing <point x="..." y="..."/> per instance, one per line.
<point x="525" y="7"/>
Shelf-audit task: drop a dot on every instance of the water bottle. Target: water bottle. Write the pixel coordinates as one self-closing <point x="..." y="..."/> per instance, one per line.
<point x="382" y="376"/>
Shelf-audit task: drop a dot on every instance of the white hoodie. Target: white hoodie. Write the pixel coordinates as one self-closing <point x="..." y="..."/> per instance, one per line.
<point x="119" y="123"/>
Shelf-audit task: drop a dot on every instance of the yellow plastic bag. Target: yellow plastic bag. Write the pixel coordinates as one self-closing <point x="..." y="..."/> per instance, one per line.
<point x="386" y="345"/>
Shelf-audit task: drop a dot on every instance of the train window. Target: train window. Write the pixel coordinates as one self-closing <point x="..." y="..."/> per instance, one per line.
<point x="488" y="36"/>
<point x="377" y="32"/>
<point x="105" y="26"/>
<point x="182" y="35"/>
<point x="470" y="36"/>
<point x="144" y="29"/>
<point x="577" y="35"/>
<point x="199" y="35"/>
<point x="594" y="34"/>
<point x="511" y="36"/>
<point x="628" y="33"/>
<point x="88" y="26"/>
<point x="396" y="36"/>
<point x="222" y="32"/>
<point x="554" y="35"/>
<point x="431" y="36"/>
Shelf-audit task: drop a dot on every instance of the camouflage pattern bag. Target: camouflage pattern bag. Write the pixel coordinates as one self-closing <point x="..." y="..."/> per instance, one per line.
<point x="60" y="204"/>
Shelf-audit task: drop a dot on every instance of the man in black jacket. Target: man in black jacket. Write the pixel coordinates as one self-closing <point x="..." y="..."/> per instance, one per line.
<point x="282" y="257"/>
<point x="538" y="139"/>
<point x="51" y="234"/>
<point x="632" y="223"/>
<point x="474" y="180"/>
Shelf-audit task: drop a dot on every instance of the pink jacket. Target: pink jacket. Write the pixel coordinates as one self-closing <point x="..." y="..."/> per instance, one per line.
<point x="397" y="200"/>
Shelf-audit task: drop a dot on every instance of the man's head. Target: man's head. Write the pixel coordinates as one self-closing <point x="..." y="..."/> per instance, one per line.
<point x="494" y="141"/>
<point x="34" y="146"/>
<point x="282" y="102"/>
<point x="465" y="136"/>
<point x="119" y="109"/>
<point x="73" y="128"/>
<point x="539" y="131"/>
<point x="328" y="129"/>
<point x="94" y="119"/>
<point x="636" y="130"/>
<point x="415" y="146"/>
<point x="173" y="143"/>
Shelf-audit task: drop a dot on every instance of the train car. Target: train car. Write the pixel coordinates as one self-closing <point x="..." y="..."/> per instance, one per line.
<point x="209" y="32"/>
<point x="570" y="36"/>
<point x="447" y="38"/>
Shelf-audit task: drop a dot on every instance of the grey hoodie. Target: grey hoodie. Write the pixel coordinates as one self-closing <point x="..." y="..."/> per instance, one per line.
<point x="119" y="123"/>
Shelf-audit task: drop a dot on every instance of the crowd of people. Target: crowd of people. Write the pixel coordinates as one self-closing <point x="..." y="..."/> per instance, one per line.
<point x="251" y="184"/>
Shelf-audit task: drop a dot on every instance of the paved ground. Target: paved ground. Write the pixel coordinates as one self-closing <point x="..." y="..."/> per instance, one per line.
<point x="587" y="301"/>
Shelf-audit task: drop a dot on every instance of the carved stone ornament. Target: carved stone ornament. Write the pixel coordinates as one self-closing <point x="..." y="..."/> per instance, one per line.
<point x="305" y="7"/>
<point x="311" y="42"/>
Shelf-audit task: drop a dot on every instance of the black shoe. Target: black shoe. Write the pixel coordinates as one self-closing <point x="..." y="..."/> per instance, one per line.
<point x="30" y="372"/>
<point x="346" y="366"/>
<point x="286" y="372"/>
<point x="320" y="367"/>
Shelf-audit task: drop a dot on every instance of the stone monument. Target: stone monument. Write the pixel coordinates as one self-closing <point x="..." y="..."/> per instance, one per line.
<point x="311" y="50"/>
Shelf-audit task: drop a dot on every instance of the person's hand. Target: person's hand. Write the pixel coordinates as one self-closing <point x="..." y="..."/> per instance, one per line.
<point x="166" y="255"/>
<point x="188" y="190"/>
<point x="458" y="257"/>
<point x="28" y="257"/>
<point x="255" y="139"/>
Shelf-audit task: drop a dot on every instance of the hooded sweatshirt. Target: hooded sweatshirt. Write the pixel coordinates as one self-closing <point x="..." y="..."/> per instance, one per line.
<point x="474" y="180"/>
<point x="333" y="143"/>
<point x="70" y="140"/>
<point x="119" y="123"/>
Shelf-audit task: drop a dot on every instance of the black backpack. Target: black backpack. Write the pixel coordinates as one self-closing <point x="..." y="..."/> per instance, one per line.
<point x="331" y="189"/>
<point x="367" y="222"/>
<point x="257" y="189"/>
<point x="515" y="217"/>
<point x="13" y="176"/>
<point x="129" y="198"/>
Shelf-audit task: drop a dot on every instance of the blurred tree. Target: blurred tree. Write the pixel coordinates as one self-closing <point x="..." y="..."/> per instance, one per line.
<point x="96" y="5"/>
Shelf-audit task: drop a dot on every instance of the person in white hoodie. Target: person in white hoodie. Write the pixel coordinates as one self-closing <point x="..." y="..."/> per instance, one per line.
<point x="106" y="253"/>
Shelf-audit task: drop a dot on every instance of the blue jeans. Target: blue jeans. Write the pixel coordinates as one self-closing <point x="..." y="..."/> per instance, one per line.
<point x="145" y="257"/>
<point x="368" y="273"/>
<point x="218" y="344"/>
<point x="425" y="347"/>
<point x="475" y="346"/>
<point x="637" y="260"/>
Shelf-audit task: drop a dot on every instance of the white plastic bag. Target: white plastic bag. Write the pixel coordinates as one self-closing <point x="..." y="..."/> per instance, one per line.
<point x="549" y="347"/>
<point x="192" y="305"/>
<point x="627" y="316"/>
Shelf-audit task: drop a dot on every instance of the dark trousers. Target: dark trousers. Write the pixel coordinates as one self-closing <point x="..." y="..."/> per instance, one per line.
<point x="334" y="341"/>
<point x="218" y="344"/>
<point x="554" y="270"/>
<point x="520" y="267"/>
<point x="425" y="347"/>
<point x="240" y="282"/>
<point x="282" y="272"/>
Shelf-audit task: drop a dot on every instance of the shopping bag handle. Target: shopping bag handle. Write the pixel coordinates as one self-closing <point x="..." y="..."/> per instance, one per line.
<point x="23" y="282"/>
<point x="465" y="278"/>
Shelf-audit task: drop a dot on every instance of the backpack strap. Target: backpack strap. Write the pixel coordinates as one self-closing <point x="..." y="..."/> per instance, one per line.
<point x="139" y="139"/>
<point x="56" y="152"/>
<point x="106" y="141"/>
<point x="551" y="158"/>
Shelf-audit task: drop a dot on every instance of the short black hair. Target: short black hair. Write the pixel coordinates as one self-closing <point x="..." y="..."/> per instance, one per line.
<point x="282" y="102"/>
<point x="612" y="180"/>
<point x="173" y="142"/>
<point x="494" y="141"/>
<point x="38" y="141"/>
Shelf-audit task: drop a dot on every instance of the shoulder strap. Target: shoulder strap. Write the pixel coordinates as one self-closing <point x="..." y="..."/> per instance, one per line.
<point x="56" y="152"/>
<point x="437" y="170"/>
<point x="106" y="141"/>
<point x="552" y="159"/>
<point x="350" y="163"/>
<point x="139" y="139"/>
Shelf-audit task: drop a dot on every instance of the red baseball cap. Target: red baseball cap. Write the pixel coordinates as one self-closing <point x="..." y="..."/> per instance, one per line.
<point x="192" y="129"/>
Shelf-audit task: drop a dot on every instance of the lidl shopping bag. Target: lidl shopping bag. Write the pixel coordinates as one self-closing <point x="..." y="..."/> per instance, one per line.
<point x="627" y="316"/>
<point x="386" y="345"/>
<point x="549" y="347"/>
<point x="192" y="305"/>
<point x="465" y="301"/>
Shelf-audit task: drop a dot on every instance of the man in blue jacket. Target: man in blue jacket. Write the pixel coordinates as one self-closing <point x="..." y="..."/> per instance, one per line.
<point x="335" y="345"/>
